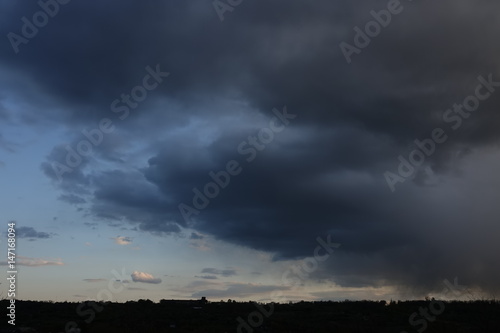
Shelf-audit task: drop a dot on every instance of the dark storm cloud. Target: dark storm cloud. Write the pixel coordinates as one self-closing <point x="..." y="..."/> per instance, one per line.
<point x="323" y="173"/>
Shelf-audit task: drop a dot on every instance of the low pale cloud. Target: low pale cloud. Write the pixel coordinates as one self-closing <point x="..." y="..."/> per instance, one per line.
<point x="144" y="277"/>
<point x="94" y="280"/>
<point x="135" y="288"/>
<point x="34" y="262"/>
<point x="239" y="290"/>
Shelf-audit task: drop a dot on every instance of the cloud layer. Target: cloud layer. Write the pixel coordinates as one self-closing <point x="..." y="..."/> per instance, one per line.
<point x="322" y="174"/>
<point x="34" y="262"/>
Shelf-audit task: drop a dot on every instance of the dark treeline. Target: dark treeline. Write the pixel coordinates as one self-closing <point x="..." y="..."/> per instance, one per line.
<point x="230" y="316"/>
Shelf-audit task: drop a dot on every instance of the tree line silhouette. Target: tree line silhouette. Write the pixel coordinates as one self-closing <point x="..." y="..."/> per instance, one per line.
<point x="221" y="316"/>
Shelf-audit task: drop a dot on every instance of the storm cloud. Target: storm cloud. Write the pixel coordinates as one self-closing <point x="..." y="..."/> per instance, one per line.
<point x="321" y="173"/>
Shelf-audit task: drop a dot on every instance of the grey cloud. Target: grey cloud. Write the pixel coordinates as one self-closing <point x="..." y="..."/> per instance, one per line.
<point x="72" y="199"/>
<point x="223" y="272"/>
<point x="206" y="277"/>
<point x="30" y="232"/>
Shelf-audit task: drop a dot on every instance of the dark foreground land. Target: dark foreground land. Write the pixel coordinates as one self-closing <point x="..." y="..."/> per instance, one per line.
<point x="197" y="316"/>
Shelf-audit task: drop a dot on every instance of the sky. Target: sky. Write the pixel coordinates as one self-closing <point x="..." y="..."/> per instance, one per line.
<point x="269" y="151"/>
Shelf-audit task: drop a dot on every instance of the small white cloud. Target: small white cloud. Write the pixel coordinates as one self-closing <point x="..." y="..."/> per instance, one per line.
<point x="122" y="240"/>
<point x="144" y="277"/>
